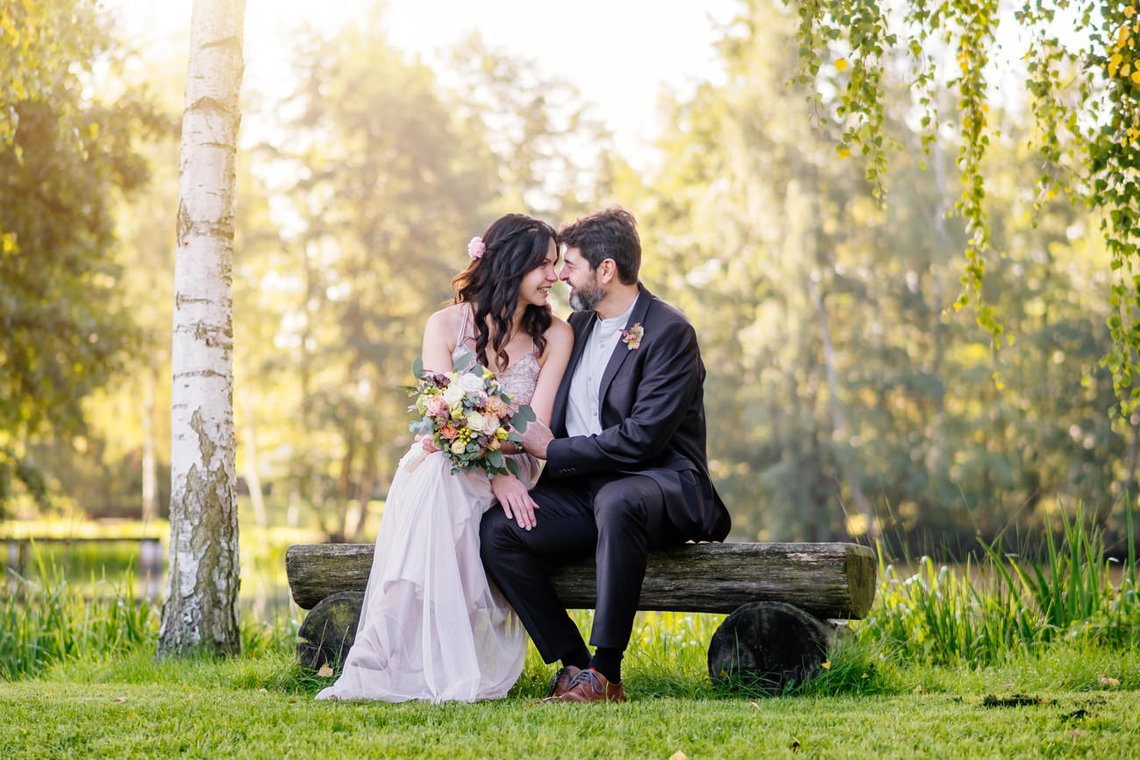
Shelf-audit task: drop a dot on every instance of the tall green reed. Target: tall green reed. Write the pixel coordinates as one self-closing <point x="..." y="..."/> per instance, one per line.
<point x="48" y="620"/>
<point x="979" y="613"/>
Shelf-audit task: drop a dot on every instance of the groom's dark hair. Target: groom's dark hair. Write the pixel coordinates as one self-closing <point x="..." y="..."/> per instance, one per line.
<point x="607" y="234"/>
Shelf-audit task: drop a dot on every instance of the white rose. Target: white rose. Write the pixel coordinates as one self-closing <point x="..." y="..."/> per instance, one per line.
<point x="475" y="421"/>
<point x="490" y="424"/>
<point x="454" y="394"/>
<point x="471" y="383"/>
<point x="458" y="447"/>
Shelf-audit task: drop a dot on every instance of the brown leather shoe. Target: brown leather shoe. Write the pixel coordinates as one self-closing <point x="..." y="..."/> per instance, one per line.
<point x="592" y="686"/>
<point x="560" y="681"/>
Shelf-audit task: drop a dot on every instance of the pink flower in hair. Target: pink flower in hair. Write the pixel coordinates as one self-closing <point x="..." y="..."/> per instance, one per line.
<point x="476" y="248"/>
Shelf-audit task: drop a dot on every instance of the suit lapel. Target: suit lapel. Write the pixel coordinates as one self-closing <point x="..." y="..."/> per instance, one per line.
<point x="582" y="326"/>
<point x="621" y="350"/>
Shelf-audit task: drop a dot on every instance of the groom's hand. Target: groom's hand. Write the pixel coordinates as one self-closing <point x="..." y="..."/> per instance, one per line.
<point x="536" y="438"/>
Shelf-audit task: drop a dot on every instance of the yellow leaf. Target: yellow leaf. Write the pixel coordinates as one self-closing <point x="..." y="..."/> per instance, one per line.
<point x="1114" y="64"/>
<point x="826" y="664"/>
<point x="843" y="153"/>
<point x="325" y="671"/>
<point x="678" y="755"/>
<point x="841" y="64"/>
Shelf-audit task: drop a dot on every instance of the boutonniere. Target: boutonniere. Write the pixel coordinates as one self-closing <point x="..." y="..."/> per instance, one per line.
<point x="632" y="337"/>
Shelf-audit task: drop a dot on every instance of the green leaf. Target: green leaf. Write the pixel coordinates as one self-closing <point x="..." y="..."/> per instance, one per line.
<point x="521" y="417"/>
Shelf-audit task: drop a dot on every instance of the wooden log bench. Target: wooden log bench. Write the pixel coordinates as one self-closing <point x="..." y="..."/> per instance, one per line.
<point x="778" y="596"/>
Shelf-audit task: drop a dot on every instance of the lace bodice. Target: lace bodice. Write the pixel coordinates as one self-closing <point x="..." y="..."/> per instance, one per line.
<point x="519" y="379"/>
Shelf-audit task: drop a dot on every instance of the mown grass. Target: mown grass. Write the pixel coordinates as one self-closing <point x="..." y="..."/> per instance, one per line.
<point x="194" y="717"/>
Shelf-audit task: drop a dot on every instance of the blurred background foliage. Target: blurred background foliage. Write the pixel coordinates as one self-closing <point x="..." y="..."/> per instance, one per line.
<point x="846" y="398"/>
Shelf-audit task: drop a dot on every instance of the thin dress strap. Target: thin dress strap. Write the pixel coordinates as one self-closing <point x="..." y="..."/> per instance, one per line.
<point x="463" y="327"/>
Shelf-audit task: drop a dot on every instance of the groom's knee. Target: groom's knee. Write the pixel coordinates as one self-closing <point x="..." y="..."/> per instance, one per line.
<point x="620" y="504"/>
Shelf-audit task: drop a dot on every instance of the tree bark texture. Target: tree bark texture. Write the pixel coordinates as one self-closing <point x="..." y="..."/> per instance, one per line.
<point x="827" y="580"/>
<point x="200" y="612"/>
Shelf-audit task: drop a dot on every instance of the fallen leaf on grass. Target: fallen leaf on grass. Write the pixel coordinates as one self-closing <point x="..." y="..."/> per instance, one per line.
<point x="678" y="755"/>
<point x="1108" y="681"/>
<point x="755" y="704"/>
<point x="119" y="700"/>
<point x="325" y="671"/>
<point x="1076" y="732"/>
<point x="263" y="690"/>
<point x="826" y="664"/>
<point x="919" y="690"/>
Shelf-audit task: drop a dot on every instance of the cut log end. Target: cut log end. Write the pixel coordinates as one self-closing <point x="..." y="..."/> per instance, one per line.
<point x="767" y="646"/>
<point x="329" y="629"/>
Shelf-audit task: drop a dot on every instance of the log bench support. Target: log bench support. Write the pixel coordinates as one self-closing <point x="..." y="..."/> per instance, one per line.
<point x="777" y="596"/>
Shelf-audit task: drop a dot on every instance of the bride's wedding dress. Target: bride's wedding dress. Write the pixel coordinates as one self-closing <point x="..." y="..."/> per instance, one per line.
<point x="432" y="627"/>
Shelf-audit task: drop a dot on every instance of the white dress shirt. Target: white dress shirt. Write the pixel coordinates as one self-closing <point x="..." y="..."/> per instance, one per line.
<point x="582" y="408"/>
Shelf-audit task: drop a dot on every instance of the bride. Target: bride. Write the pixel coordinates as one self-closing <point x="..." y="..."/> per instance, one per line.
<point x="432" y="627"/>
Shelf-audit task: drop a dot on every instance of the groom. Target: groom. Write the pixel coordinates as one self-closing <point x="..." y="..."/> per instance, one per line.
<point x="626" y="470"/>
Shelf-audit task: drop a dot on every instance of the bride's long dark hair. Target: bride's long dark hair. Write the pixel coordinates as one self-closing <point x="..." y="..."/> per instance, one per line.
<point x="515" y="245"/>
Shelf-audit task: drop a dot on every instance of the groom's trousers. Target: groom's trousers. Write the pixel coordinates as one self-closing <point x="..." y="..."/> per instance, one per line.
<point x="618" y="519"/>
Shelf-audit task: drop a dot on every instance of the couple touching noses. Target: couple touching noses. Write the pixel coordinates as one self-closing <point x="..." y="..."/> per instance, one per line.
<point x="618" y="395"/>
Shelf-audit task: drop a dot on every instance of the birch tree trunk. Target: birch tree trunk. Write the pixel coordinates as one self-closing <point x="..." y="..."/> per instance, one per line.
<point x="200" y="612"/>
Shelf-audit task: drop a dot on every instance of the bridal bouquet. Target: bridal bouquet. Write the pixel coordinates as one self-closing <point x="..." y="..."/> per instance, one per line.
<point x="468" y="415"/>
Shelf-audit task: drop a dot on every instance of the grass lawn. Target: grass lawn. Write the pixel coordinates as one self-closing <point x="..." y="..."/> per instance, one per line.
<point x="1060" y="704"/>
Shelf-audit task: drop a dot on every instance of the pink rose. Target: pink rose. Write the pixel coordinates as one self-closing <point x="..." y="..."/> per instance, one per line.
<point x="437" y="407"/>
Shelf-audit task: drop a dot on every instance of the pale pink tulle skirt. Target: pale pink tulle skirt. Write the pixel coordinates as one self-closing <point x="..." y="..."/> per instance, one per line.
<point x="432" y="628"/>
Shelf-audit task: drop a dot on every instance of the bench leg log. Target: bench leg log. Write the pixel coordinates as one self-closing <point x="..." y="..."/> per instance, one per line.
<point x="329" y="629"/>
<point x="768" y="646"/>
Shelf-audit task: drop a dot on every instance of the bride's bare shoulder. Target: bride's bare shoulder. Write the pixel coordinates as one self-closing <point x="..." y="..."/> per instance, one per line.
<point x="447" y="318"/>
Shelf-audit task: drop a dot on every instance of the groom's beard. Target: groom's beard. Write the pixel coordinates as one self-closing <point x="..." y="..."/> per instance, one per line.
<point x="586" y="298"/>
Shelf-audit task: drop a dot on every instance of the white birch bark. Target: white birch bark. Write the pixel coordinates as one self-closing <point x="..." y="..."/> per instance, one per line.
<point x="200" y="612"/>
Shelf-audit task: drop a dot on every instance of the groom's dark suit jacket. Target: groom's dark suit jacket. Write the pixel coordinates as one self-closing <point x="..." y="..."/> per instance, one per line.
<point x="652" y="416"/>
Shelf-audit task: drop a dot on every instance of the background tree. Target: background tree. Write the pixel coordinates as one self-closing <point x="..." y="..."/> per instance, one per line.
<point x="826" y="324"/>
<point x="66" y="159"/>
<point x="200" y="611"/>
<point x="1084" y="86"/>
<point x="386" y="165"/>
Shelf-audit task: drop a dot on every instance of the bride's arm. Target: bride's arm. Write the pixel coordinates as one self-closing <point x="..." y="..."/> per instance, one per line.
<point x="439" y="340"/>
<point x="509" y="491"/>
<point x="559" y="341"/>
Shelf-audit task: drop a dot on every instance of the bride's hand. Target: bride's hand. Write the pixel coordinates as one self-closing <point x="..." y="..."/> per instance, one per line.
<point x="514" y="500"/>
